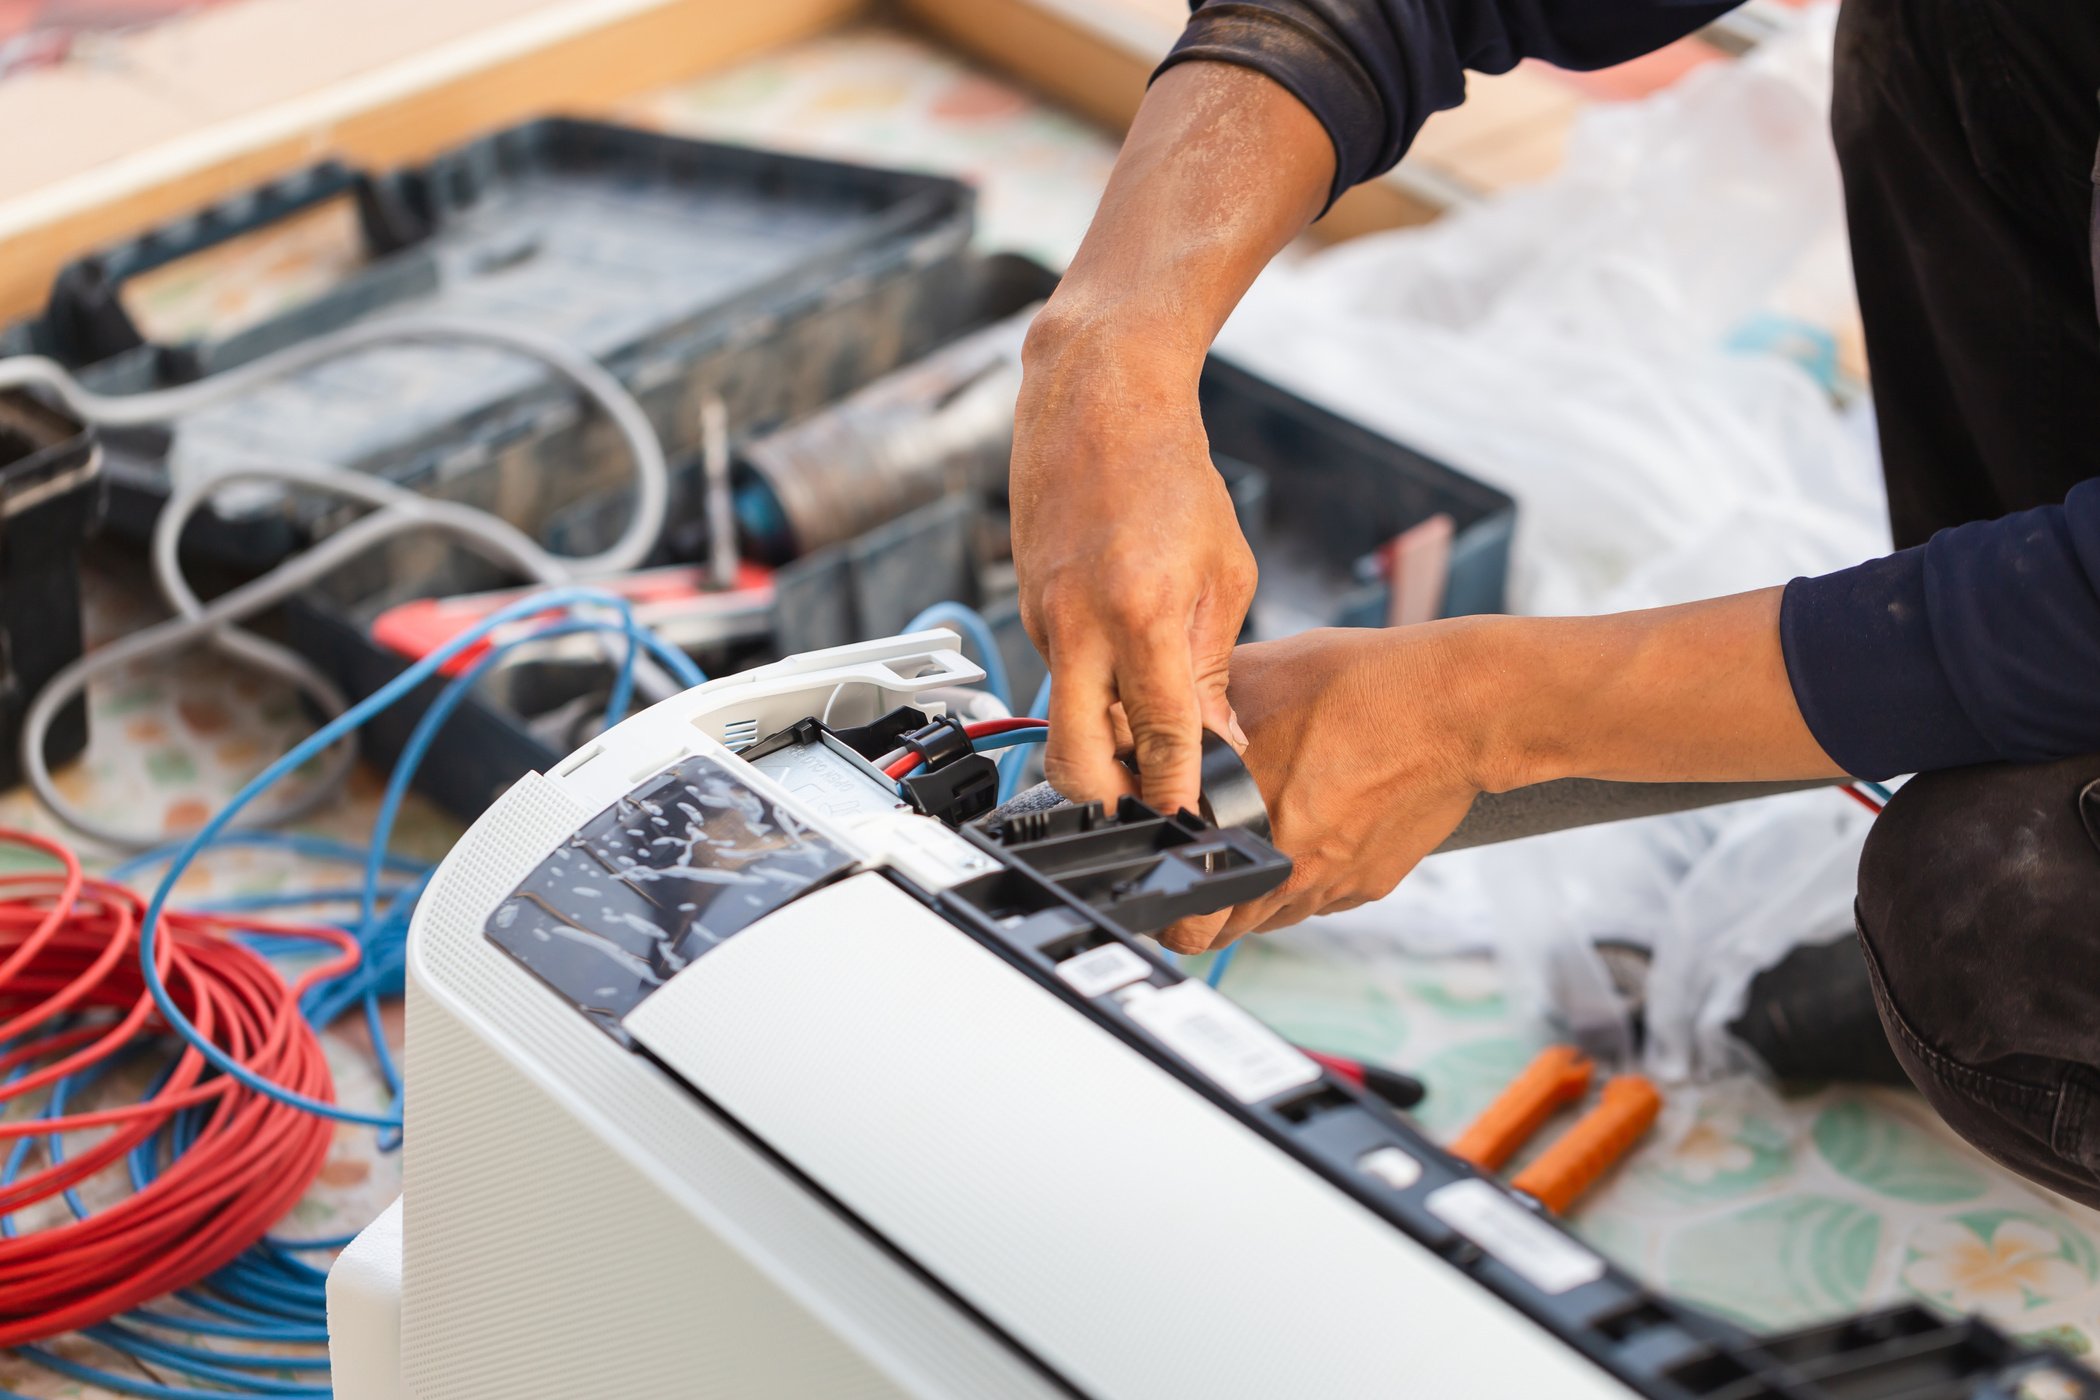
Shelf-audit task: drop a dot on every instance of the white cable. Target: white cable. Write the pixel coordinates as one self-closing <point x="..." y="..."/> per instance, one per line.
<point x="488" y="535"/>
<point x="396" y="511"/>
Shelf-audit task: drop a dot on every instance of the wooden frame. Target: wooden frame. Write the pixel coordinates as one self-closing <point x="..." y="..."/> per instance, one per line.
<point x="386" y="82"/>
<point x="418" y="95"/>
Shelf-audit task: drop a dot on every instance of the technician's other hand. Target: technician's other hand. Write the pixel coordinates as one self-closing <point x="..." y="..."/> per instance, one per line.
<point x="1134" y="576"/>
<point x="1359" y="741"/>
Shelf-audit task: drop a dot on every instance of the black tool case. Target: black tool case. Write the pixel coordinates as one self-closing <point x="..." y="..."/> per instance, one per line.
<point x="869" y="586"/>
<point x="1307" y="480"/>
<point x="50" y="501"/>
<point x="777" y="282"/>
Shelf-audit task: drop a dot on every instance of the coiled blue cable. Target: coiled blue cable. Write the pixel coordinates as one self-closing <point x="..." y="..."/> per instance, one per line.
<point x="315" y="743"/>
<point x="310" y="847"/>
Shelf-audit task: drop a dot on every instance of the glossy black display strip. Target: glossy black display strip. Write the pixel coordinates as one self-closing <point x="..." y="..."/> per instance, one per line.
<point x="687" y="859"/>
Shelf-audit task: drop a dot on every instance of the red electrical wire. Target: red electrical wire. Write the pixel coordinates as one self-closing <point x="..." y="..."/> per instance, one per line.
<point x="977" y="729"/>
<point x="1863" y="799"/>
<point x="69" y="945"/>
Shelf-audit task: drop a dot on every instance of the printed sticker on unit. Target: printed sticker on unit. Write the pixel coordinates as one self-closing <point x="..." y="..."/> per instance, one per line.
<point x="1099" y="971"/>
<point x="1241" y="1055"/>
<point x="1538" y="1253"/>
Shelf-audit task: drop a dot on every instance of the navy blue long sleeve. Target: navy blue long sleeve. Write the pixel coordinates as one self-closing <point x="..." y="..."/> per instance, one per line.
<point x="1980" y="645"/>
<point x="1373" y="71"/>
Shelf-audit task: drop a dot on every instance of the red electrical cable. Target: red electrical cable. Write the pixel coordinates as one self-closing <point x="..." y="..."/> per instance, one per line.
<point x="977" y="729"/>
<point x="1863" y="799"/>
<point x="69" y="945"/>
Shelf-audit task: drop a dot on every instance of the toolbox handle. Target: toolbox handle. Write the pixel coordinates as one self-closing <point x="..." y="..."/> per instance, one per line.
<point x="85" y="322"/>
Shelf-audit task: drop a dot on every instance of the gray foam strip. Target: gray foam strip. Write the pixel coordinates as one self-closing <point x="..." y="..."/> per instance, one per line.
<point x="1534" y="811"/>
<point x="1573" y="802"/>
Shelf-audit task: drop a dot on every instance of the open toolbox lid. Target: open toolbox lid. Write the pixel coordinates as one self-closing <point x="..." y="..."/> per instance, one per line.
<point x="658" y="255"/>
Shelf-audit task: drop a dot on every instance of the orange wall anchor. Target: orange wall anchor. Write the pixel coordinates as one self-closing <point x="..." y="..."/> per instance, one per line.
<point x="1625" y="1110"/>
<point x="1556" y="1078"/>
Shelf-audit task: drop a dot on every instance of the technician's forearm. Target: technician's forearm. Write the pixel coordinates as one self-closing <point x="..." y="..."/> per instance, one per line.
<point x="1222" y="168"/>
<point x="1695" y="693"/>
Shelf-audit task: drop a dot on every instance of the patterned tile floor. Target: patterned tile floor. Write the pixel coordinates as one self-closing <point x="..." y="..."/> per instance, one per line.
<point x="1772" y="1210"/>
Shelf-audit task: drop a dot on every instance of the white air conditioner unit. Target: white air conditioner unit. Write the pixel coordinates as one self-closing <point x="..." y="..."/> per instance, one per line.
<point x="731" y="1075"/>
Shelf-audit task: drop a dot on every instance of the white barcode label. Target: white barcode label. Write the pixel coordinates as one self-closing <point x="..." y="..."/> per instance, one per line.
<point x="1245" y="1058"/>
<point x="1099" y="971"/>
<point x="1538" y="1253"/>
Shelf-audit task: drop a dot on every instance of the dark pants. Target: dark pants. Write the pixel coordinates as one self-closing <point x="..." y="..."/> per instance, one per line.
<point x="1979" y="912"/>
<point x="1968" y="131"/>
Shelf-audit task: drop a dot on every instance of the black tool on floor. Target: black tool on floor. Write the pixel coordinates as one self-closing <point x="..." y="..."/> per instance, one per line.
<point x="50" y="500"/>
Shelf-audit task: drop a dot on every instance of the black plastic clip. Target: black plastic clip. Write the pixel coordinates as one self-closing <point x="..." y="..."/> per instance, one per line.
<point x="957" y="791"/>
<point x="879" y="736"/>
<point x="940" y="743"/>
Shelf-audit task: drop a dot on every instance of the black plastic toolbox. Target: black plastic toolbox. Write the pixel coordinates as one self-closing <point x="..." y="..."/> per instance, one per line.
<point x="50" y="501"/>
<point x="777" y="282"/>
<point x="1321" y="490"/>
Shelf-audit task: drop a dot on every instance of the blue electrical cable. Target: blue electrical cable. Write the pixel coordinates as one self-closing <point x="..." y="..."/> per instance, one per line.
<point x="314" y="744"/>
<point x="129" y="1385"/>
<point x="1010" y="773"/>
<point x="979" y="634"/>
<point x="1012" y="738"/>
<point x="1223" y="960"/>
<point x="287" y="899"/>
<point x="227" y="1368"/>
<point x="417" y="748"/>
<point x="311" y="847"/>
<point x="267" y="1294"/>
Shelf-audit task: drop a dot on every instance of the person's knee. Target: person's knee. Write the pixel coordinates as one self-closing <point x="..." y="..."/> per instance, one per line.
<point x="1977" y="909"/>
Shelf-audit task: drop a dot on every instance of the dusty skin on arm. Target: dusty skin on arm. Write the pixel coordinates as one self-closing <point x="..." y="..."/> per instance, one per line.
<point x="1134" y="576"/>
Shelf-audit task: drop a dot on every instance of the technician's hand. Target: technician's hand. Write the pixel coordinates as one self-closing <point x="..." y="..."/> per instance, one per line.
<point x="1360" y="742"/>
<point x="1370" y="745"/>
<point x="1134" y="576"/>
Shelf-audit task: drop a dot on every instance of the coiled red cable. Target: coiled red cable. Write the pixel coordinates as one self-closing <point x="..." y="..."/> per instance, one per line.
<point x="69" y="948"/>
